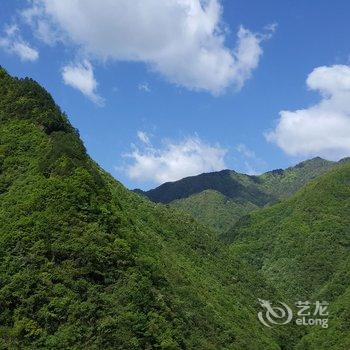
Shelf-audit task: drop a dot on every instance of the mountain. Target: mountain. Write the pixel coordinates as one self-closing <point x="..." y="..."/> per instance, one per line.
<point x="214" y="209"/>
<point x="302" y="246"/>
<point x="219" y="199"/>
<point x="87" y="264"/>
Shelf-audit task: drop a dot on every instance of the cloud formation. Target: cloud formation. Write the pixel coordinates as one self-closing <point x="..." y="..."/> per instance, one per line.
<point x="143" y="137"/>
<point x="324" y="128"/>
<point x="183" y="40"/>
<point x="81" y="77"/>
<point x="144" y="87"/>
<point x="173" y="160"/>
<point x="12" y="42"/>
<point x="253" y="164"/>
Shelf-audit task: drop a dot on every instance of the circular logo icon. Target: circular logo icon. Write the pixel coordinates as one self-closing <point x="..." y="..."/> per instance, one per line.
<point x="274" y="315"/>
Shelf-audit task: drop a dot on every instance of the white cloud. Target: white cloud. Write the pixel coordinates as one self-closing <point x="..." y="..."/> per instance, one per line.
<point x="143" y="137"/>
<point x="43" y="29"/>
<point x="245" y="151"/>
<point x="324" y="128"/>
<point x="253" y="165"/>
<point x="174" y="160"/>
<point x="183" y="40"/>
<point x="144" y="87"/>
<point x="81" y="77"/>
<point x="12" y="42"/>
<point x="247" y="54"/>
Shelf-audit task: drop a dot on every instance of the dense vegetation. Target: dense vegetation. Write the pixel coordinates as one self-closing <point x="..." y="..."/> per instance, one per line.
<point x="302" y="246"/>
<point x="87" y="264"/>
<point x="214" y="209"/>
<point x="218" y="199"/>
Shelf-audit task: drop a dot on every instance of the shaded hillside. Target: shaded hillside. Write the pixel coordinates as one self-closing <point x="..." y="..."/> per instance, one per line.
<point x="87" y="264"/>
<point x="218" y="199"/>
<point x="302" y="246"/>
<point x="227" y="182"/>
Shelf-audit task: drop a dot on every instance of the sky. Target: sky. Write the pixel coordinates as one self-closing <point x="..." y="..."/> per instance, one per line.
<point x="164" y="90"/>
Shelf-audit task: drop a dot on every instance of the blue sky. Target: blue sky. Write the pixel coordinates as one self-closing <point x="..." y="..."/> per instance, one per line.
<point x="149" y="112"/>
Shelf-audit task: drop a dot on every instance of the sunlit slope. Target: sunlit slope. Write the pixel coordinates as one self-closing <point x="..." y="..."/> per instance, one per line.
<point x="302" y="246"/>
<point x="87" y="264"/>
<point x="218" y="199"/>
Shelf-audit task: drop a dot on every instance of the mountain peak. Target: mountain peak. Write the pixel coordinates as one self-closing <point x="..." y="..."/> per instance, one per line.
<point x="85" y="263"/>
<point x="313" y="162"/>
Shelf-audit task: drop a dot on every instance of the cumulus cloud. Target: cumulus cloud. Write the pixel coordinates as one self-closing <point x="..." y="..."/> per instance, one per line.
<point x="12" y="42"/>
<point x="324" y="128"/>
<point x="183" y="40"/>
<point x="173" y="160"/>
<point x="43" y="28"/>
<point x="247" y="55"/>
<point x="81" y="77"/>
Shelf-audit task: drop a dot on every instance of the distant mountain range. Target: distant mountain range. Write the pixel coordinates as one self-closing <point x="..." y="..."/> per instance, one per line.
<point x="302" y="247"/>
<point x="87" y="264"/>
<point x="219" y="199"/>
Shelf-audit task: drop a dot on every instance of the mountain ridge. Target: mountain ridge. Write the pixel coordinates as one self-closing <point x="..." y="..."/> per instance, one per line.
<point x="218" y="199"/>
<point x="152" y="193"/>
<point x="302" y="246"/>
<point x="86" y="263"/>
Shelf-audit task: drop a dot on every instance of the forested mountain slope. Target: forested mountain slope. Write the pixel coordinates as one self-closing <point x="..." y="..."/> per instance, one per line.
<point x="218" y="199"/>
<point x="302" y="246"/>
<point x="87" y="264"/>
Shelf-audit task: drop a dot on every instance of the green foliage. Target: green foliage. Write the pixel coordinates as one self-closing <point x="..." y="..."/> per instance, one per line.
<point x="227" y="182"/>
<point x="64" y="154"/>
<point x="26" y="99"/>
<point x="214" y="209"/>
<point x="219" y="199"/>
<point x="302" y="247"/>
<point x="283" y="183"/>
<point x="87" y="264"/>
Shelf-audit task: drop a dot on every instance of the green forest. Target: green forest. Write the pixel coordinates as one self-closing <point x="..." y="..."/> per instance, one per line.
<point x="87" y="264"/>
<point x="219" y="199"/>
